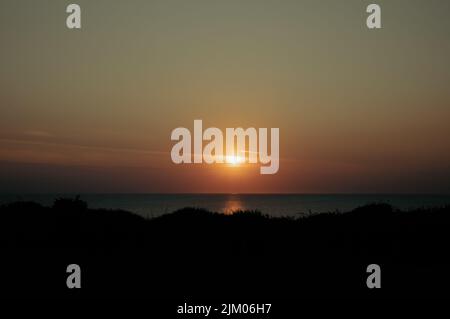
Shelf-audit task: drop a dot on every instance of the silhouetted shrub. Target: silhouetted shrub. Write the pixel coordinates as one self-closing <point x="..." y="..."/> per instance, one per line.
<point x="70" y="204"/>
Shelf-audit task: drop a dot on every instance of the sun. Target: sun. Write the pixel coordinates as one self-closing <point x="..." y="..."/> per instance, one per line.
<point x="234" y="160"/>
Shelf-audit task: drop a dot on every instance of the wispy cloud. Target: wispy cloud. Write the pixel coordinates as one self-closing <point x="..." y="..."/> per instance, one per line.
<point x="81" y="146"/>
<point x="37" y="133"/>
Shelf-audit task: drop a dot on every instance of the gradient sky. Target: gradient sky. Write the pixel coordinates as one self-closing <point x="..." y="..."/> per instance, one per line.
<point x="92" y="110"/>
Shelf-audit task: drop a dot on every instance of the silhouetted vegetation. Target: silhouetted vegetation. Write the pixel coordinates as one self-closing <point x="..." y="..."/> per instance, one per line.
<point x="195" y="253"/>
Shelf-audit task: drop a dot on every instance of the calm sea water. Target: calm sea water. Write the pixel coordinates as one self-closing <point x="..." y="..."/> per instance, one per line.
<point x="152" y="205"/>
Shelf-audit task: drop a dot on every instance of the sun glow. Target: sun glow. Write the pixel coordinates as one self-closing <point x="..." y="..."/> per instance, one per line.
<point x="235" y="142"/>
<point x="234" y="160"/>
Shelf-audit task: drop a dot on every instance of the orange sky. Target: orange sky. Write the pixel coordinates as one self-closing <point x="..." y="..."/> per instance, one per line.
<point x="92" y="110"/>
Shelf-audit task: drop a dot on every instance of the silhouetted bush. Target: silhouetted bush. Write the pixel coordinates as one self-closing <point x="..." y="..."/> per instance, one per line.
<point x="196" y="253"/>
<point x="75" y="204"/>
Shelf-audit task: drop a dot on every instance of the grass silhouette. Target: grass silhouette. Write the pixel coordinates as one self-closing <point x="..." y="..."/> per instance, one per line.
<point x="200" y="254"/>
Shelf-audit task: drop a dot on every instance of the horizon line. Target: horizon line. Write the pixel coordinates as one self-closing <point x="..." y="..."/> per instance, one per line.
<point x="224" y="193"/>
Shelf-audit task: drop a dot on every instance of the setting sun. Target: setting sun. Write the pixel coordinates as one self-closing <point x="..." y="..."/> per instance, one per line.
<point x="234" y="159"/>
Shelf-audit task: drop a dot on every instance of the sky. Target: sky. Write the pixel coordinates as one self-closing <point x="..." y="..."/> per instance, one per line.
<point x="92" y="110"/>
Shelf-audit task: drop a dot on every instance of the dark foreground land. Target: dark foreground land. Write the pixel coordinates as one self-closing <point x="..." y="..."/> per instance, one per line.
<point x="193" y="253"/>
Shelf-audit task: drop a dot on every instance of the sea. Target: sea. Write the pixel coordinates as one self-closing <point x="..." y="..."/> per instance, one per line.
<point x="277" y="205"/>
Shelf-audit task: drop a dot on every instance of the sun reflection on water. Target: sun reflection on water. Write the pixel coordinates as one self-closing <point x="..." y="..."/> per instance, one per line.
<point x="233" y="204"/>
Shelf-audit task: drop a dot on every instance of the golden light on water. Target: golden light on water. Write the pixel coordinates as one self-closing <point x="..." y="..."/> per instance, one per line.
<point x="232" y="205"/>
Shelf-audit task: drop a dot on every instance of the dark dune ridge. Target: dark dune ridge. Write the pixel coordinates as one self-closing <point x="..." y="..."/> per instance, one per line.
<point x="193" y="253"/>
